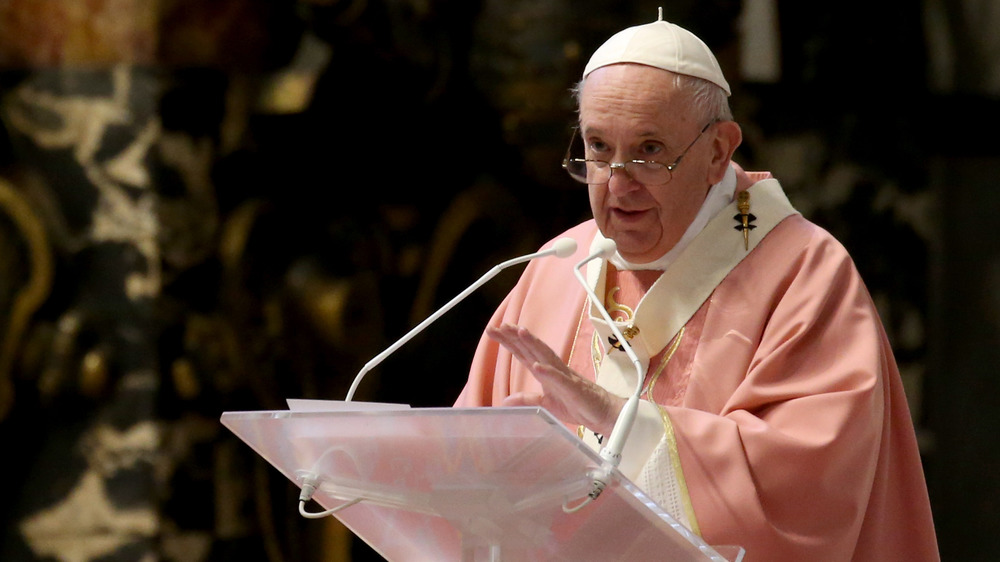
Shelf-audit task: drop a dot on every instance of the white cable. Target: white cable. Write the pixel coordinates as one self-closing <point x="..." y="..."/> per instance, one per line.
<point x="309" y="484"/>
<point x="579" y="506"/>
<point x="328" y="512"/>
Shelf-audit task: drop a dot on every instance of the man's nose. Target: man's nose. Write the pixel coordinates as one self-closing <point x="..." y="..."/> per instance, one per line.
<point x="621" y="181"/>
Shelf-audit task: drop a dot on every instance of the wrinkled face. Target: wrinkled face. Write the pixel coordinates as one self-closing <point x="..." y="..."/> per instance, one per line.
<point x="633" y="112"/>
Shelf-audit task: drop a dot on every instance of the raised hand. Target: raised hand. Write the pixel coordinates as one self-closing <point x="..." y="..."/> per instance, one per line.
<point x="565" y="393"/>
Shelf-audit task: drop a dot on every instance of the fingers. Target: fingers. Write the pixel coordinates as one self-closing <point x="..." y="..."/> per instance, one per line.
<point x="567" y="395"/>
<point x="524" y="345"/>
<point x="507" y="336"/>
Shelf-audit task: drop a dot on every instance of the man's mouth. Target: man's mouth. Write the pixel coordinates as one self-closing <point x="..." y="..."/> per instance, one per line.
<point x="627" y="214"/>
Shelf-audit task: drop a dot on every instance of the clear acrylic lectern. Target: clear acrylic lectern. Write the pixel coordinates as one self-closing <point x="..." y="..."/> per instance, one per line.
<point x="467" y="484"/>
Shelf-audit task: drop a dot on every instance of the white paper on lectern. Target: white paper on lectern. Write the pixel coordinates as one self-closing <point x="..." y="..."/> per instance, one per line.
<point x="309" y="405"/>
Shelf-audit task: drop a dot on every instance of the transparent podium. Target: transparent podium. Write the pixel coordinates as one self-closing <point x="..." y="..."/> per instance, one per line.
<point x="470" y="484"/>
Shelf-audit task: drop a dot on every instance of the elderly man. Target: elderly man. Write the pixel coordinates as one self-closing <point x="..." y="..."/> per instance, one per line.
<point x="772" y="413"/>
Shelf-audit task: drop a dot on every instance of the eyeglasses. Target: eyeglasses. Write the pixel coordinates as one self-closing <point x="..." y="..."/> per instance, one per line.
<point x="646" y="172"/>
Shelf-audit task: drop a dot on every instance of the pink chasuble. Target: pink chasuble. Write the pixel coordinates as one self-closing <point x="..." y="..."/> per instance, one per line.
<point x="790" y="421"/>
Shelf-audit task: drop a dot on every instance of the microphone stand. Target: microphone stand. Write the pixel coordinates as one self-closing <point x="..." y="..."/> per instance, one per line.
<point x="611" y="454"/>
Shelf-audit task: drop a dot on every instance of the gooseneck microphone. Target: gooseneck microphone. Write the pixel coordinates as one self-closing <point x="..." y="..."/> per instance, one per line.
<point x="562" y="248"/>
<point x="611" y="454"/>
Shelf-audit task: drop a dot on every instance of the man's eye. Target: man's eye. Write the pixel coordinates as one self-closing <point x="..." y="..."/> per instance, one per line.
<point x="597" y="146"/>
<point x="648" y="150"/>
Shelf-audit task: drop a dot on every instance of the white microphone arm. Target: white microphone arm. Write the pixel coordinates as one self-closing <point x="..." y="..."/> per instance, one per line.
<point x="612" y="452"/>
<point x="562" y="248"/>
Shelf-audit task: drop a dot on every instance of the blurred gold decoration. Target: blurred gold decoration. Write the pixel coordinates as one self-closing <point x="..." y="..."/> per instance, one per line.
<point x="336" y="541"/>
<point x="327" y="304"/>
<point x="344" y="312"/>
<point x="291" y="90"/>
<point x="94" y="373"/>
<point x="95" y="33"/>
<point x="102" y="33"/>
<point x="212" y="344"/>
<point x="27" y="301"/>
<point x="55" y="372"/>
<point x="484" y="202"/>
<point x="185" y="379"/>
<point x="236" y="232"/>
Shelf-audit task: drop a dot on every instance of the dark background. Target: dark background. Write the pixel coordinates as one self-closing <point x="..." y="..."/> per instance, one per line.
<point x="209" y="206"/>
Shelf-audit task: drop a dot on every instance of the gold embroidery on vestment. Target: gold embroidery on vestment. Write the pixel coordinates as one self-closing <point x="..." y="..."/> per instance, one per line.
<point x="596" y="354"/>
<point x="614" y="306"/>
<point x="668" y="434"/>
<point x="659" y="368"/>
<point x="576" y="335"/>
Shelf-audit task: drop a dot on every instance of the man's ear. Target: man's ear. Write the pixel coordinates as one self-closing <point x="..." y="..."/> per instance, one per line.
<point x="725" y="141"/>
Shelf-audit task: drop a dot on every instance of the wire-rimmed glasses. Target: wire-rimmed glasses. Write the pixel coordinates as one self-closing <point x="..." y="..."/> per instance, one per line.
<point x="646" y="172"/>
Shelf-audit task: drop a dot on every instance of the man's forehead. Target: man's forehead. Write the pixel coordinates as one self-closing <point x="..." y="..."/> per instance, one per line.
<point x="631" y="74"/>
<point x="631" y="88"/>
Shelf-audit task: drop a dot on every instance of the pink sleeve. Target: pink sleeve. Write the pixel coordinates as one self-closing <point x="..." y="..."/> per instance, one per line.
<point x="487" y="368"/>
<point x="547" y="300"/>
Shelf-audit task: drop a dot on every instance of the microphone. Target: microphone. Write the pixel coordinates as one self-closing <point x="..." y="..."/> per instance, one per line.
<point x="611" y="454"/>
<point x="562" y="248"/>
